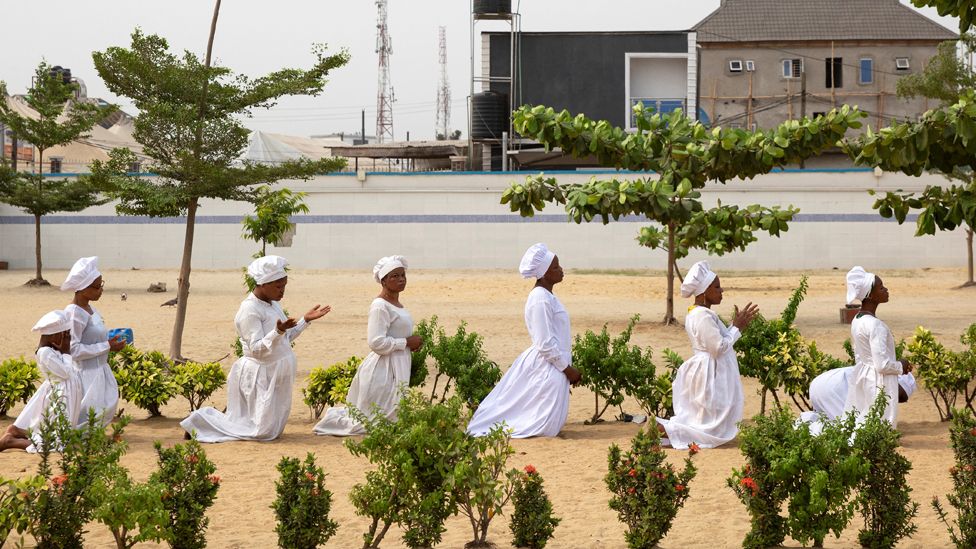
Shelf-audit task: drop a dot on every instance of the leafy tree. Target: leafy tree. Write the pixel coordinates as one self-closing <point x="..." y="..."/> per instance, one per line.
<point x="189" y="125"/>
<point x="943" y="140"/>
<point x="684" y="156"/>
<point x="965" y="10"/>
<point x="60" y="120"/>
<point x="272" y="215"/>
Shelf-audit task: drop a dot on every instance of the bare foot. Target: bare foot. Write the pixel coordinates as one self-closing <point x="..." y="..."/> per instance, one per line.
<point x="8" y="441"/>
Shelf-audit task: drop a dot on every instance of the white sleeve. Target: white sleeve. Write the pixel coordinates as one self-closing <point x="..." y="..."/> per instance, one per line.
<point x="79" y="350"/>
<point x="883" y="354"/>
<point x="377" y="328"/>
<point x="541" y="328"/>
<point x="54" y="364"/>
<point x="716" y="343"/>
<point x="297" y="329"/>
<point x="257" y="343"/>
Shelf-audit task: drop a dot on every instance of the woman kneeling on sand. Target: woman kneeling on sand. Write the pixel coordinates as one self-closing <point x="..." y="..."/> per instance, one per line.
<point x="707" y="390"/>
<point x="260" y="383"/>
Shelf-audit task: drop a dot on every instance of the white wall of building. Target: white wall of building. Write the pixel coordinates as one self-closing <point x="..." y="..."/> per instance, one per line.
<point x="448" y="220"/>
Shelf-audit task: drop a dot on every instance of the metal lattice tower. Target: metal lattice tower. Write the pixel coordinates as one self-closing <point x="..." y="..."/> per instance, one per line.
<point x="442" y="126"/>
<point x="384" y="91"/>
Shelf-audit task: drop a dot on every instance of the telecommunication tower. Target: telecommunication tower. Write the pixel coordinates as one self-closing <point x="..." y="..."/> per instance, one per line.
<point x="442" y="126"/>
<point x="384" y="92"/>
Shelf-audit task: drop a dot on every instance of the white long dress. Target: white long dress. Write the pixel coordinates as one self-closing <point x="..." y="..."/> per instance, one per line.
<point x="875" y="368"/>
<point x="532" y="397"/>
<point x="260" y="383"/>
<point x="62" y="383"/>
<point x="707" y="389"/>
<point x="828" y="394"/>
<point x="382" y="373"/>
<point x="89" y="349"/>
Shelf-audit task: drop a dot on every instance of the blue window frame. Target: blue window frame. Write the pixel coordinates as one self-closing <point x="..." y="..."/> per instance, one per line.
<point x="866" y="71"/>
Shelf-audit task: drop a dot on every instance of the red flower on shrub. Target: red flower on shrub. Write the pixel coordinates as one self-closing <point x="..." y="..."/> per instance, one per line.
<point x="631" y="490"/>
<point x="973" y="431"/>
<point x="116" y="437"/>
<point x="309" y="476"/>
<point x="693" y="449"/>
<point x="969" y="468"/>
<point x="530" y="469"/>
<point x="953" y="470"/>
<point x="192" y="459"/>
<point x="632" y="473"/>
<point x="59" y="481"/>
<point x="214" y="479"/>
<point x="748" y="482"/>
<point x="679" y="487"/>
<point x="315" y="492"/>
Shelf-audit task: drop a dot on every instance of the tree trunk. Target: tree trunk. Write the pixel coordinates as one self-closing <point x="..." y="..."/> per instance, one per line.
<point x="38" y="275"/>
<point x="183" y="284"/>
<point x="669" y="310"/>
<point x="969" y="251"/>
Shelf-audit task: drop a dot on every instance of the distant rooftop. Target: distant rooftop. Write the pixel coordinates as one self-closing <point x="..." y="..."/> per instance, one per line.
<point x="817" y="20"/>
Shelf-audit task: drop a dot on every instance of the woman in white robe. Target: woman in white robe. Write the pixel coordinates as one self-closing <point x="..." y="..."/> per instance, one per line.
<point x="90" y="344"/>
<point x="828" y="392"/>
<point x="375" y="389"/>
<point x="532" y="398"/>
<point x="259" y="387"/>
<point x="61" y="390"/>
<point x="876" y="368"/>
<point x="707" y="391"/>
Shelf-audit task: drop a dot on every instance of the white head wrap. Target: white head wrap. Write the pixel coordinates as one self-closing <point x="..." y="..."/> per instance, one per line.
<point x="267" y="269"/>
<point x="536" y="261"/>
<point x="387" y="264"/>
<point x="697" y="280"/>
<point x="54" y="322"/>
<point x="907" y="382"/>
<point x="82" y="274"/>
<point x="859" y="284"/>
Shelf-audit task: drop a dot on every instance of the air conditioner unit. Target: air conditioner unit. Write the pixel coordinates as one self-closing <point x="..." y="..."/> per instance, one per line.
<point x="750" y="65"/>
<point x="735" y="65"/>
<point x="901" y="63"/>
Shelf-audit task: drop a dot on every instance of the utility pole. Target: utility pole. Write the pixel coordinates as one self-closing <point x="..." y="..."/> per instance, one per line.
<point x="442" y="125"/>
<point x="384" y="91"/>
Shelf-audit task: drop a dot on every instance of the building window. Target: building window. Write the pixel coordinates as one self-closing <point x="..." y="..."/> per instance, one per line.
<point x="55" y="165"/>
<point x="735" y="65"/>
<point x="901" y="63"/>
<point x="135" y="167"/>
<point x="750" y="65"/>
<point x="866" y="71"/>
<point x="834" y="68"/>
<point x="792" y="68"/>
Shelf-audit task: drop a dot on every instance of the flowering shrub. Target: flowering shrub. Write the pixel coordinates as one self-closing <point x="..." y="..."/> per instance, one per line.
<point x="145" y="379"/>
<point x="329" y="386"/>
<point x="962" y="434"/>
<point x="532" y="521"/>
<point x="303" y="504"/>
<point x="196" y="381"/>
<point x="461" y="359"/>
<point x="483" y="488"/>
<point x="16" y="497"/>
<point x="968" y="361"/>
<point x="18" y="381"/>
<point x="883" y="495"/>
<point x="646" y="491"/>
<point x="189" y="487"/>
<point x="944" y="373"/>
<point x="415" y="458"/>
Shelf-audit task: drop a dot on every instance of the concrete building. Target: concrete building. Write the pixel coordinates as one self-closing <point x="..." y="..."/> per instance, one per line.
<point x="758" y="56"/>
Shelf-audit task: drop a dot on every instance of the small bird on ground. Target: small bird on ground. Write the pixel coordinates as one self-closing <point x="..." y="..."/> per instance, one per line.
<point x="124" y="297"/>
<point x="171" y="303"/>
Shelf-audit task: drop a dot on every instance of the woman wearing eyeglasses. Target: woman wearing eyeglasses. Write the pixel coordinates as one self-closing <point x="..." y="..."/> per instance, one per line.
<point x="90" y="344"/>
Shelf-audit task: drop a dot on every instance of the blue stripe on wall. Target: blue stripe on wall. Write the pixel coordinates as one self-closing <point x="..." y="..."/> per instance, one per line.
<point x="387" y="219"/>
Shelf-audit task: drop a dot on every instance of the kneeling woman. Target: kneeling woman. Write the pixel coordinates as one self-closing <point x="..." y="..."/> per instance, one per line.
<point x="259" y="387"/>
<point x="707" y="390"/>
<point x="375" y="389"/>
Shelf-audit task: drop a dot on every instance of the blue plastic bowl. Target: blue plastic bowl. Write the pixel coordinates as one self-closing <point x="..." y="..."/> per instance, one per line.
<point x="126" y="334"/>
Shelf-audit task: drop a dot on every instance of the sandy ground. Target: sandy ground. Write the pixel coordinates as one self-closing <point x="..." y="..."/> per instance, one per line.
<point x="573" y="464"/>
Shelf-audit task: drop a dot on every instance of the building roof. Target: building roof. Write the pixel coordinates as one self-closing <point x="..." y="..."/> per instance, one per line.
<point x="817" y="20"/>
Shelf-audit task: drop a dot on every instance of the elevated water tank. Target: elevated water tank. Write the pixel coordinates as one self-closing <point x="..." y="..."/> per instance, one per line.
<point x="489" y="115"/>
<point x="492" y="6"/>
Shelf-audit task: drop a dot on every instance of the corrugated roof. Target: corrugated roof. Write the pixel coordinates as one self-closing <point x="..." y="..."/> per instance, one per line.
<point x="803" y="20"/>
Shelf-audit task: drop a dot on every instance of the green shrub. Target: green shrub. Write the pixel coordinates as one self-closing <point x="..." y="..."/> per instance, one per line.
<point x="461" y="359"/>
<point x="189" y="488"/>
<point x="944" y="374"/>
<point x="303" y="504"/>
<point x="329" y="386"/>
<point x="414" y="457"/>
<point x="18" y="381"/>
<point x="145" y="378"/>
<point x="196" y="381"/>
<point x="16" y="500"/>
<point x="968" y="362"/>
<point x="66" y="502"/>
<point x="132" y="511"/>
<point x="652" y="391"/>
<point x="483" y="487"/>
<point x="647" y="492"/>
<point x="533" y="522"/>
<point x="883" y="495"/>
<point x="418" y="359"/>
<point x="962" y="530"/>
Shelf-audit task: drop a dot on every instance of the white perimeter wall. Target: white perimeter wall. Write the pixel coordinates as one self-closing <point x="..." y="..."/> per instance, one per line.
<point x="450" y="220"/>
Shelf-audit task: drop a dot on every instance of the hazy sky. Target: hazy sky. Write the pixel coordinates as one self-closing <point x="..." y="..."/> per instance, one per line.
<point x="255" y="37"/>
